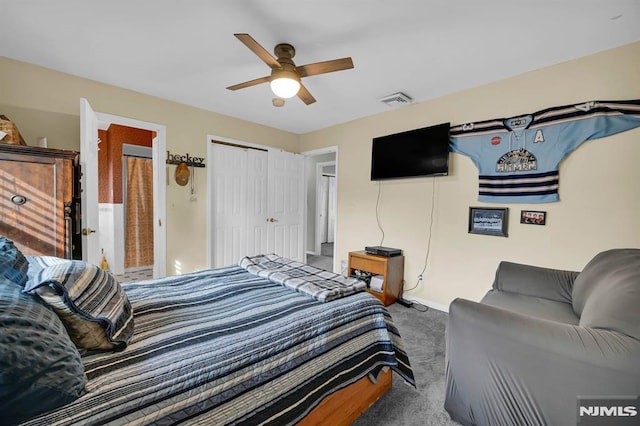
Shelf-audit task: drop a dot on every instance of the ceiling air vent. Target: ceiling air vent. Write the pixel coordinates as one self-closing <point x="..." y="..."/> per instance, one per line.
<point x="396" y="100"/>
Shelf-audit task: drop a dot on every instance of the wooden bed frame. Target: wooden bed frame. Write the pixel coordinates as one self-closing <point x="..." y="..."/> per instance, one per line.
<point x="346" y="405"/>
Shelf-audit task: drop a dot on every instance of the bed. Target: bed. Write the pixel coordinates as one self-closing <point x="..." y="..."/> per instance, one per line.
<point x="234" y="346"/>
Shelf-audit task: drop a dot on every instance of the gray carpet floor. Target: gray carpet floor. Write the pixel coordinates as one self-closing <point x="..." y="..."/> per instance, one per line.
<point x="326" y="249"/>
<point x="423" y="334"/>
<point x="324" y="260"/>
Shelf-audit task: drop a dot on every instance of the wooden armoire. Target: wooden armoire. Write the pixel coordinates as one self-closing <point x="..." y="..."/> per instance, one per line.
<point x="40" y="200"/>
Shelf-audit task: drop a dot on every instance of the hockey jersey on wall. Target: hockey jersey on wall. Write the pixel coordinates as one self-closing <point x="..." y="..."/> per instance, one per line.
<point x="518" y="157"/>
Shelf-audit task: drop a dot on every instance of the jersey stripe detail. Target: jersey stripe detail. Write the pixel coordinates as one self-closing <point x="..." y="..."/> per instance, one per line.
<point x="519" y="194"/>
<point x="515" y="185"/>
<point x="554" y="115"/>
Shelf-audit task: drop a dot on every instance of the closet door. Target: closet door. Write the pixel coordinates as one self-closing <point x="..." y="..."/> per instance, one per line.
<point x="286" y="204"/>
<point x="257" y="203"/>
<point x="229" y="204"/>
<point x="256" y="210"/>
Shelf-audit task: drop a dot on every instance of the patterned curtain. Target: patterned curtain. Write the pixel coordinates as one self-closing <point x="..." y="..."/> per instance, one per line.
<point x="139" y="214"/>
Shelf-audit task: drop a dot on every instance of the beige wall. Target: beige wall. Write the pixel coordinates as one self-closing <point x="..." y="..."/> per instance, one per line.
<point x="48" y="101"/>
<point x="599" y="190"/>
<point x="61" y="130"/>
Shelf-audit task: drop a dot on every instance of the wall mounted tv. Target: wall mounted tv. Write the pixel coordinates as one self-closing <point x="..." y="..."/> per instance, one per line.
<point x="414" y="153"/>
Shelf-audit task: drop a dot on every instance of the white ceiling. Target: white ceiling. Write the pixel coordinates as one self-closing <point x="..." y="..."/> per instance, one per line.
<point x="185" y="50"/>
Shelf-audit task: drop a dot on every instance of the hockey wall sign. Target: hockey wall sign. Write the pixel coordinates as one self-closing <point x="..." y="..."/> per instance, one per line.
<point x="186" y="159"/>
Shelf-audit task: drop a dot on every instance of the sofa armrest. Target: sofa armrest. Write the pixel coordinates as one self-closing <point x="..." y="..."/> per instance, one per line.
<point x="528" y="280"/>
<point x="508" y="368"/>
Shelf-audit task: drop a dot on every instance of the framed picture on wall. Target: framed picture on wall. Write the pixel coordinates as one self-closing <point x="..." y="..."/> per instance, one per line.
<point x="488" y="221"/>
<point x="533" y="217"/>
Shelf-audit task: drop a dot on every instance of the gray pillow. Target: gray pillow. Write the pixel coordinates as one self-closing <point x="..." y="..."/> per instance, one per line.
<point x="90" y="302"/>
<point x="40" y="368"/>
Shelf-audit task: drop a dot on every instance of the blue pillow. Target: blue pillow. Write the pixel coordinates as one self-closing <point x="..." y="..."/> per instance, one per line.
<point x="40" y="368"/>
<point x="13" y="264"/>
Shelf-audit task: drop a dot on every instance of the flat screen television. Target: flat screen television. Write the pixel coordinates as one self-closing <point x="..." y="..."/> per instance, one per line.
<point x="414" y="153"/>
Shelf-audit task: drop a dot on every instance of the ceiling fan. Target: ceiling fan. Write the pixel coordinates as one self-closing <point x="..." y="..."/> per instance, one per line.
<point x="285" y="78"/>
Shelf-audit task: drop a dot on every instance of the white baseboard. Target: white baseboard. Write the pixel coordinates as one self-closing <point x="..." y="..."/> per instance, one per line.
<point x="137" y="268"/>
<point x="430" y="304"/>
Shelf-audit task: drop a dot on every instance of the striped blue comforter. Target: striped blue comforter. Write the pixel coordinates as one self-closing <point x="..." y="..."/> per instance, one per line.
<point x="224" y="346"/>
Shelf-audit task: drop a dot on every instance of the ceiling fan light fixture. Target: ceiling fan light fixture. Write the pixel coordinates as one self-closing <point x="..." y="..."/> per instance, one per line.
<point x="285" y="75"/>
<point x="285" y="84"/>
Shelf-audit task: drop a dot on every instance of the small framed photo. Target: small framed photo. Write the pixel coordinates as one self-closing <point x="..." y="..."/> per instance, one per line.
<point x="488" y="221"/>
<point x="533" y="217"/>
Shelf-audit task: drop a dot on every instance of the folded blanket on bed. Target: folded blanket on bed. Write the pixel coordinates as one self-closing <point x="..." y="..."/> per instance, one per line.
<point x="320" y="284"/>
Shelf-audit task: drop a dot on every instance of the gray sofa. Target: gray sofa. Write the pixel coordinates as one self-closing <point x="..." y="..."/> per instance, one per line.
<point x="543" y="339"/>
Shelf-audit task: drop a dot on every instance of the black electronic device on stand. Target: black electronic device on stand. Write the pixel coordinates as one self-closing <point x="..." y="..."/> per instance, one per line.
<point x="383" y="251"/>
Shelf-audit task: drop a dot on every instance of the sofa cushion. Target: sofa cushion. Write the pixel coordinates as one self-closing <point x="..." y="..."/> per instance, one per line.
<point x="606" y="294"/>
<point x="40" y="368"/>
<point x="533" y="306"/>
<point x="13" y="264"/>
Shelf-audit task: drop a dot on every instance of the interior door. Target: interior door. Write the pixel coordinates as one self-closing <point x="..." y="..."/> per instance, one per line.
<point x="331" y="209"/>
<point x="286" y="204"/>
<point x="89" y="183"/>
<point x="322" y="206"/>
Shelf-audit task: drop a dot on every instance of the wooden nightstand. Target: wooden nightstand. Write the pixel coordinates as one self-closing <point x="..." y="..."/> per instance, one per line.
<point x="391" y="268"/>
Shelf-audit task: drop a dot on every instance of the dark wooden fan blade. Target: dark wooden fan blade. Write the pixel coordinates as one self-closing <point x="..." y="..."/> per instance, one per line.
<point x="306" y="97"/>
<point x="258" y="50"/>
<point x="325" y="67"/>
<point x="249" y="83"/>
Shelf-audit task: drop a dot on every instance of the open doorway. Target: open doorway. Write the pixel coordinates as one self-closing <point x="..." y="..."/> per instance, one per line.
<point x="95" y="240"/>
<point x="322" y="178"/>
<point x="126" y="200"/>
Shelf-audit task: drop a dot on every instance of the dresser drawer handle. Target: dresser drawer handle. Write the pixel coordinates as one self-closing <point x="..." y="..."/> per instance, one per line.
<point x="18" y="200"/>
